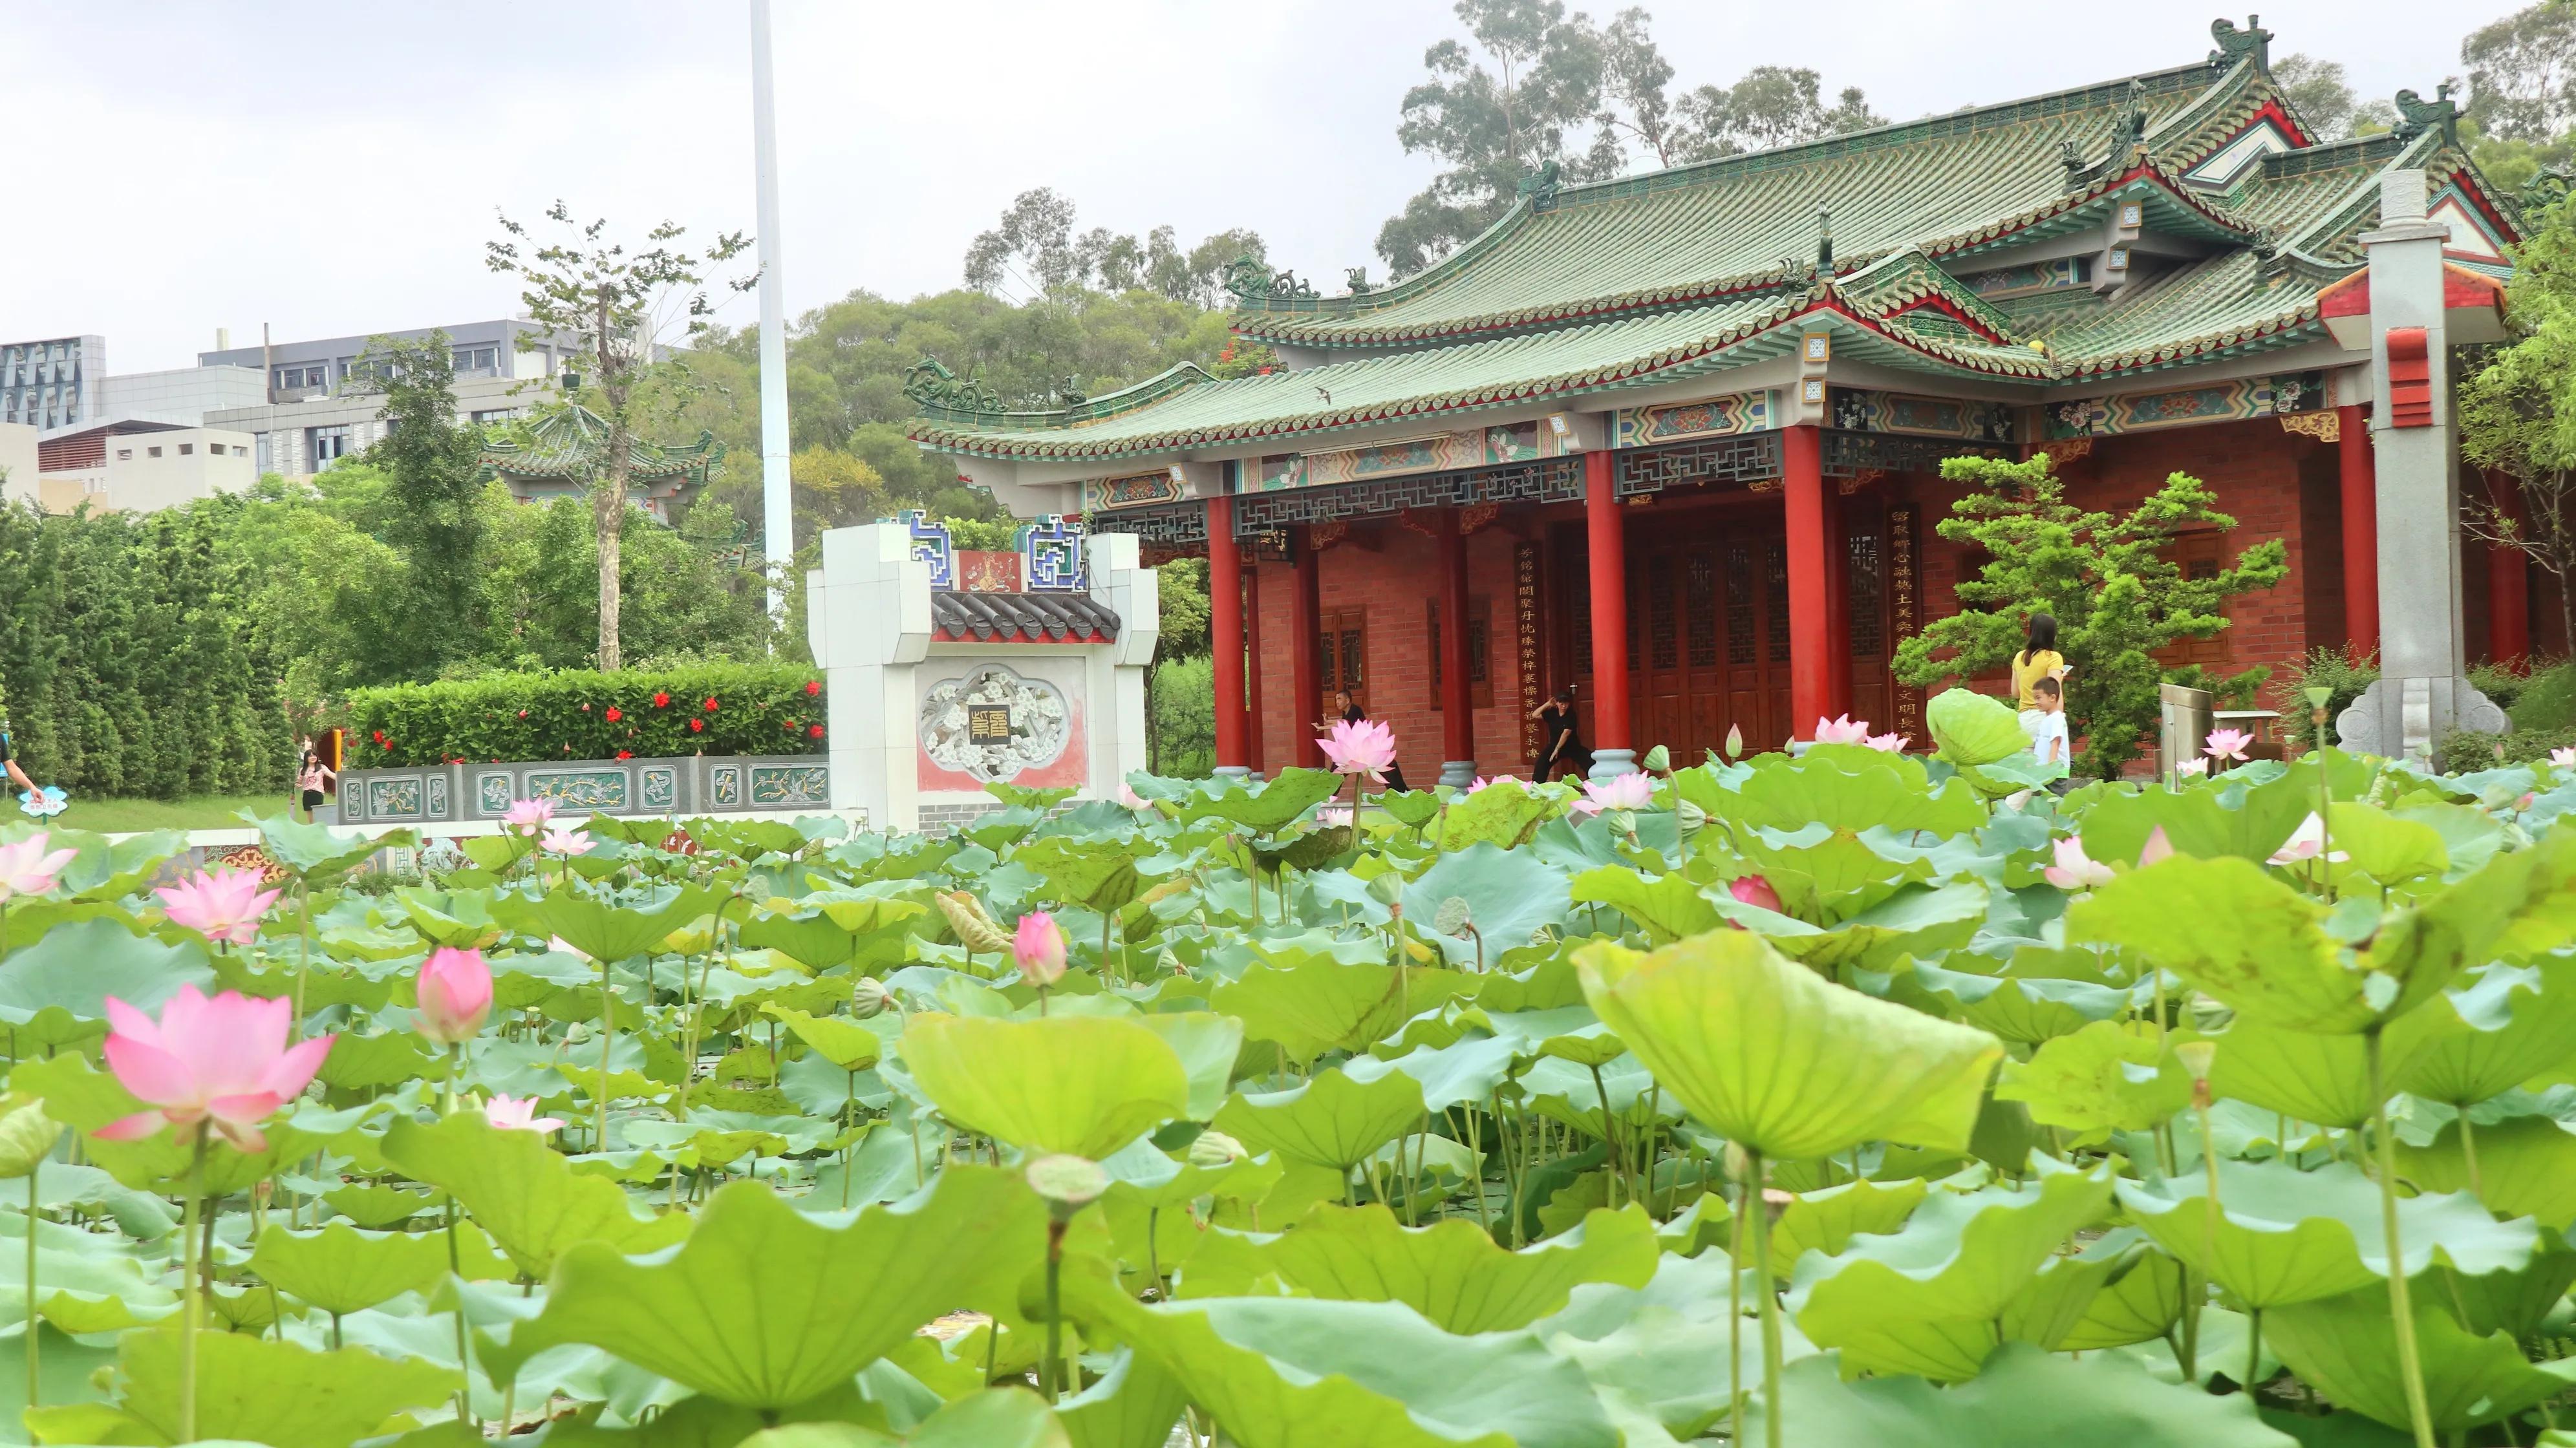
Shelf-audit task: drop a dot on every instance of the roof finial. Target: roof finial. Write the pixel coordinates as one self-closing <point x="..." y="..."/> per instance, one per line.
<point x="1824" y="240"/>
<point x="2251" y="43"/>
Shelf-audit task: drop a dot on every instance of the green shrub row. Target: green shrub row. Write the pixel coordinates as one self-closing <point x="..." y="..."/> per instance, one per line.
<point x="711" y="708"/>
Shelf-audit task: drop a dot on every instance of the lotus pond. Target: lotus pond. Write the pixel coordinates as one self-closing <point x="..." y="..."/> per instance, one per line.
<point x="1846" y="1098"/>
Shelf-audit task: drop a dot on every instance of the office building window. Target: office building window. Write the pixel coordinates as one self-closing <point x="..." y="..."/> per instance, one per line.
<point x="125" y="454"/>
<point x="187" y="449"/>
<point x="327" y="445"/>
<point x="495" y="416"/>
<point x="313" y="376"/>
<point x="267" y="455"/>
<point x="152" y="452"/>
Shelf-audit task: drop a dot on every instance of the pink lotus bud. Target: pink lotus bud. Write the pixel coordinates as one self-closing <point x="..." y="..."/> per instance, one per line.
<point x="455" y="989"/>
<point x="1038" y="949"/>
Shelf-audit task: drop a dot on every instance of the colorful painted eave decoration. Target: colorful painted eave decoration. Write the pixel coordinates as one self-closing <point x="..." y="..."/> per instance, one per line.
<point x="2230" y="401"/>
<point x="2472" y="307"/>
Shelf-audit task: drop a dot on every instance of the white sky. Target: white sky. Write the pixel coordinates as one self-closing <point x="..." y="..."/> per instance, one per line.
<point x="333" y="169"/>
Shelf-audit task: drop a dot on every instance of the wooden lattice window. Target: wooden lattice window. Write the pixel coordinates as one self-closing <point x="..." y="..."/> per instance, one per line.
<point x="2199" y="555"/>
<point x="1343" y="652"/>
<point x="1480" y="654"/>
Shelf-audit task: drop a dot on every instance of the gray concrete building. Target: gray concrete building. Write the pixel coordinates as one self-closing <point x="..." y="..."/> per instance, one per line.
<point x="509" y="348"/>
<point x="54" y="383"/>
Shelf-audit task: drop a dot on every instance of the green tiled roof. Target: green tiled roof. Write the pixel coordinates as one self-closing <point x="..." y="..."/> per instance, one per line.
<point x="572" y="442"/>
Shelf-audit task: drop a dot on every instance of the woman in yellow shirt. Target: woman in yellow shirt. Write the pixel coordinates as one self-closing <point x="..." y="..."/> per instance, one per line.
<point x="2038" y="659"/>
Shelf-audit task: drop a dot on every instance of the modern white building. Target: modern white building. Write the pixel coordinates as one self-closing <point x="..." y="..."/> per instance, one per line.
<point x="182" y="395"/>
<point x="507" y="348"/>
<point x="302" y="435"/>
<point x="54" y="383"/>
<point x="17" y="457"/>
<point x="133" y="467"/>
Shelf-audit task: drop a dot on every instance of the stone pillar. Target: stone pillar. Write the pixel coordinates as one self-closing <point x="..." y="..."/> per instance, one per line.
<point x="1613" y="751"/>
<point x="1305" y="657"/>
<point x="2422" y="692"/>
<point x="1255" y="667"/>
<point x="1457" y="689"/>
<point x="1225" y="637"/>
<point x="2360" y="531"/>
<point x="2508" y="582"/>
<point x="1802" y="484"/>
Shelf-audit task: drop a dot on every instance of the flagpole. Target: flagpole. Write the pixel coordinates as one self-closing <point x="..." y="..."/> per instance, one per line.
<point x="778" y="527"/>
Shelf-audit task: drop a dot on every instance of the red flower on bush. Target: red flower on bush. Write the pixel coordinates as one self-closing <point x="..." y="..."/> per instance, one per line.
<point x="615" y="714"/>
<point x="814" y="731"/>
<point x="813" y="687"/>
<point x="523" y="713"/>
<point x="585" y="708"/>
<point x="697" y="726"/>
<point x="661" y="699"/>
<point x="626" y="754"/>
<point x="380" y="736"/>
<point x="711" y="703"/>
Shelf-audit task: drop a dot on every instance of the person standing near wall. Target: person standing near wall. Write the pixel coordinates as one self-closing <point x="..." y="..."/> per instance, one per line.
<point x="1563" y="744"/>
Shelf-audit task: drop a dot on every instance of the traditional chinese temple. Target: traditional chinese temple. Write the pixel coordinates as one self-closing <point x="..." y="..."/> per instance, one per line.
<point x="1674" y="439"/>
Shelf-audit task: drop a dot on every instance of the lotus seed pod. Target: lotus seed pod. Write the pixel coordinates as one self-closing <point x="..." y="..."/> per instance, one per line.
<point x="2196" y="1056"/>
<point x="869" y="999"/>
<point x="27" y="1136"/>
<point x="1657" y="761"/>
<point x="756" y="889"/>
<point x="1069" y="1183"/>
<point x="1739" y="1162"/>
<point x="1454" y="916"/>
<point x="1690" y="816"/>
<point x="1387" y="889"/>
<point x="1214" y="1149"/>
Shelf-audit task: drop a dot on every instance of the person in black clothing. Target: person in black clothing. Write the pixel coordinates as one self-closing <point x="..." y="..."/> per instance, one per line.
<point x="1352" y="713"/>
<point x="1563" y="746"/>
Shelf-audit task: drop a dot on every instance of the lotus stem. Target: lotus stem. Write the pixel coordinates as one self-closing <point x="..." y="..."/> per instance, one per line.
<point x="2469" y="1155"/>
<point x="1053" y="1371"/>
<point x="2401" y="1307"/>
<point x="1769" y="1301"/>
<point x="192" y="1300"/>
<point x="1735" y="1315"/>
<point x="1610" y="1141"/>
<point x="31" y="1288"/>
<point x="607" y="1044"/>
<point x="303" y="951"/>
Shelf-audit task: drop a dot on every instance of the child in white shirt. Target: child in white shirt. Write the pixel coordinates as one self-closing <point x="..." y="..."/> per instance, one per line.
<point x="2045" y="723"/>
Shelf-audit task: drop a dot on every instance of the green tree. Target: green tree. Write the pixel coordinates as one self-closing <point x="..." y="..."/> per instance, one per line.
<point x="620" y="304"/>
<point x="2522" y="73"/>
<point x="1034" y="247"/>
<point x="2106" y="577"/>
<point x="2518" y="411"/>
<point x="433" y="468"/>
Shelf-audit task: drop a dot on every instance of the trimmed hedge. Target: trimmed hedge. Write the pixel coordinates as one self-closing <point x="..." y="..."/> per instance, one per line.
<point x="581" y="714"/>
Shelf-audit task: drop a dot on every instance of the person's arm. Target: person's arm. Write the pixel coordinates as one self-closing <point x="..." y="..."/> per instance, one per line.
<point x="20" y="776"/>
<point x="330" y="777"/>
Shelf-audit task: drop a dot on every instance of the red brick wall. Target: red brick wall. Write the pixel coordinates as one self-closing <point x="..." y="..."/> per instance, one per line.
<point x="1393" y="573"/>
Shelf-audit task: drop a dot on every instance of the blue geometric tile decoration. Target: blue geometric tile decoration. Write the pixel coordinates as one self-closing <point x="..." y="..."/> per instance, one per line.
<point x="930" y="545"/>
<point x="1051" y="557"/>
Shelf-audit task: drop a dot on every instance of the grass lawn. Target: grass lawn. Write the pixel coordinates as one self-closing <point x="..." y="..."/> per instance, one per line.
<point x="204" y="812"/>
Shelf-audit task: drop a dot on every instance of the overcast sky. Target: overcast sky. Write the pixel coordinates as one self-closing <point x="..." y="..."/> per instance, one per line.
<point x="333" y="169"/>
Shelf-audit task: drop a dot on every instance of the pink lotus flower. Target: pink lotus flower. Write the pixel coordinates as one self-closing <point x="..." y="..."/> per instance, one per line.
<point x="1128" y="798"/>
<point x="1038" y="948"/>
<point x="2564" y="757"/>
<point x="528" y="816"/>
<point x="25" y="868"/>
<point x="1842" y="730"/>
<point x="1367" y="747"/>
<point x="1621" y="791"/>
<point x="2157" y="847"/>
<point x="1333" y="816"/>
<point x="455" y="990"/>
<point x="221" y="905"/>
<point x="510" y="1114"/>
<point x="1755" y="890"/>
<point x="564" y="839"/>
<point x="2227" y="744"/>
<point x="557" y="942"/>
<point x="1481" y="782"/>
<point x="2193" y="767"/>
<point x="224" y="1062"/>
<point x="1887" y="743"/>
<point x="2074" y="869"/>
<point x="2306" y="843"/>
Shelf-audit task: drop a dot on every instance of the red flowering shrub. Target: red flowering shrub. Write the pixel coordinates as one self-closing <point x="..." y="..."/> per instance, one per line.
<point x="540" y="715"/>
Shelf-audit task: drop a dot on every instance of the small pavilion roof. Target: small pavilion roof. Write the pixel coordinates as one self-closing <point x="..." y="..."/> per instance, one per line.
<point x="571" y="442"/>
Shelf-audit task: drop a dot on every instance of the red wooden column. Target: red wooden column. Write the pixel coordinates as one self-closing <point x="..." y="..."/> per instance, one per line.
<point x="2508" y="582"/>
<point x="1225" y="634"/>
<point x="1838" y="687"/>
<point x="1255" y="668"/>
<point x="1811" y="650"/>
<point x="2360" y="489"/>
<point x="1305" y="657"/>
<point x="1607" y="547"/>
<point x="1457" y="691"/>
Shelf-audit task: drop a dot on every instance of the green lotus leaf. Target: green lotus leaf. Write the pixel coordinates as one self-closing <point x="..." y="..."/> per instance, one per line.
<point x="1970" y="728"/>
<point x="1508" y="895"/>
<point x="1821" y="875"/>
<point x="360" y="1063"/>
<point x="1666" y="907"/>
<point x="810" y="937"/>
<point x="1309" y="1373"/>
<point x="2515" y="908"/>
<point x="2104" y="1078"/>
<point x="1412" y="808"/>
<point x="342" y="1270"/>
<point x="765" y="1307"/>
<point x="461" y="920"/>
<point x="1334" y="1119"/>
<point x="2116" y="829"/>
<point x="1502" y="817"/>
<point x="2386" y="849"/>
<point x="1133" y="1405"/>
<point x="1852" y="790"/>
<point x="2078" y="1299"/>
<point x="1661" y="1352"/>
<point x="2284" y="1235"/>
<point x="2324" y="1079"/>
<point x="1083" y="1085"/>
<point x="254" y="1390"/>
<point x="1769" y="1055"/>
<point x="1453" y="1273"/>
<point x="1319" y="1004"/>
<point x="844" y="1042"/>
<point x="601" y="930"/>
<point x="2518" y="1301"/>
<point x="84" y="1283"/>
<point x="1826" y="1220"/>
<point x="1269" y="809"/>
<point x="2241" y="934"/>
<point x="54" y="992"/>
<point x="520" y="1191"/>
<point x="2025" y="1398"/>
<point x="2536" y="1032"/>
<point x="2017" y="1008"/>
<point x="988" y="1418"/>
<point x="2526" y="1167"/>
<point x="2347" y="1348"/>
<point x="375" y="1207"/>
<point x="1914" y="920"/>
<point x="1098" y="875"/>
<point x="1926" y="1299"/>
<point x="318" y="854"/>
<point x="1207" y="1045"/>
